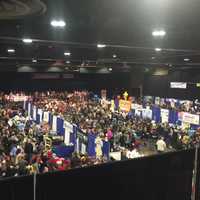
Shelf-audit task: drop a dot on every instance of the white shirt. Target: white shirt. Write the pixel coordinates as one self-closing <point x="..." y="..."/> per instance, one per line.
<point x="161" y="145"/>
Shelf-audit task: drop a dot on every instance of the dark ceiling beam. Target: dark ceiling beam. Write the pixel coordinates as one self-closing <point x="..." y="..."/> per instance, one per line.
<point x="22" y="59"/>
<point x="87" y="45"/>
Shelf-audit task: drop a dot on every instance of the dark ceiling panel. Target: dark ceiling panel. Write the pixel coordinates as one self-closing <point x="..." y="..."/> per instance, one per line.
<point x="124" y="25"/>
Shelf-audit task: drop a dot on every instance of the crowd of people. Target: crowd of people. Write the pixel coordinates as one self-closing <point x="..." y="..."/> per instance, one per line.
<point x="192" y="107"/>
<point x="22" y="146"/>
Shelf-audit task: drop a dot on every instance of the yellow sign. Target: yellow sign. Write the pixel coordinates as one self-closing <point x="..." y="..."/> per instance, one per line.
<point x="125" y="105"/>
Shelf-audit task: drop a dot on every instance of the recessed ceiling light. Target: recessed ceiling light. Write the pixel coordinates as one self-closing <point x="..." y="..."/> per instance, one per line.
<point x="58" y="23"/>
<point x="67" y="54"/>
<point x="186" y="59"/>
<point x="101" y="45"/>
<point x="114" y="56"/>
<point x="27" y="40"/>
<point x="110" y="69"/>
<point x="158" y="49"/>
<point x="11" y="50"/>
<point x="159" y="33"/>
<point x="34" y="60"/>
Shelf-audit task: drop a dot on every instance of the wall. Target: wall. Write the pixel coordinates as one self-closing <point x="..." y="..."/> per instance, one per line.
<point x="160" y="85"/>
<point x="136" y="81"/>
<point x="94" y="82"/>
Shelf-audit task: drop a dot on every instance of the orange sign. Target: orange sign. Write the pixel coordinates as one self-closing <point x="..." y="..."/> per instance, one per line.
<point x="124" y="105"/>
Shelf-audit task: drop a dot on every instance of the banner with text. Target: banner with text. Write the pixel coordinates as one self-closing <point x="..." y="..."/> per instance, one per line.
<point x="189" y="118"/>
<point x="124" y="105"/>
<point x="164" y="113"/>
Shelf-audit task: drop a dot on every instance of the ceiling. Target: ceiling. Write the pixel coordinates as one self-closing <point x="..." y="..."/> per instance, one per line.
<point x="124" y="26"/>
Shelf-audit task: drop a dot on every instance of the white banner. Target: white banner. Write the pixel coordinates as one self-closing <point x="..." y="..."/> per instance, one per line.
<point x="29" y="109"/>
<point x="190" y="118"/>
<point x="68" y="130"/>
<point x="77" y="145"/>
<point x="138" y="112"/>
<point x="116" y="155"/>
<point x="40" y="112"/>
<point x="54" y="124"/>
<point x="46" y="116"/>
<point x="24" y="105"/>
<point x="136" y="106"/>
<point x="83" y="149"/>
<point x="179" y="85"/>
<point x="34" y="113"/>
<point x="18" y="98"/>
<point x="164" y="113"/>
<point x="147" y="114"/>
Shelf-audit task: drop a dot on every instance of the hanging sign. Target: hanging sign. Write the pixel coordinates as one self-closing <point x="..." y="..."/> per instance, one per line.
<point x="124" y="105"/>
<point x="68" y="130"/>
<point x="164" y="115"/>
<point x="46" y="116"/>
<point x="189" y="118"/>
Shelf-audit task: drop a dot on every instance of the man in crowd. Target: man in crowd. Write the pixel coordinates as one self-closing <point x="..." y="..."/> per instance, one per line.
<point x="161" y="145"/>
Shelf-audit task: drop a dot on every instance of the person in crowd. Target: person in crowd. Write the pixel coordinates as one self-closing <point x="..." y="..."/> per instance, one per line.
<point x="161" y="145"/>
<point x="98" y="149"/>
<point x="28" y="150"/>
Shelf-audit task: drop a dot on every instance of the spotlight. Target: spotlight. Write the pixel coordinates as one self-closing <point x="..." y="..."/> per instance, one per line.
<point x="58" y="23"/>
<point x="186" y="59"/>
<point x="158" y="49"/>
<point x="67" y="54"/>
<point x="11" y="50"/>
<point x="159" y="33"/>
<point x="101" y="45"/>
<point x="27" y="40"/>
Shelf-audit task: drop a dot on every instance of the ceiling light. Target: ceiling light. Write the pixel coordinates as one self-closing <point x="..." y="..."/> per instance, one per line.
<point x="67" y="54"/>
<point x="58" y="23"/>
<point x="11" y="50"/>
<point x="186" y="59"/>
<point x="68" y="62"/>
<point x="34" y="60"/>
<point x="27" y="40"/>
<point x="114" y="56"/>
<point x="110" y="69"/>
<point x="159" y="33"/>
<point x="158" y="49"/>
<point x="101" y="45"/>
